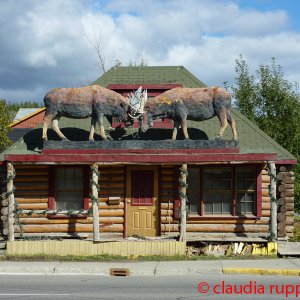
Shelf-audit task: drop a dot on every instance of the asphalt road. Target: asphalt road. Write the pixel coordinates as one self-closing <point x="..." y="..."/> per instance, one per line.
<point x="155" y="287"/>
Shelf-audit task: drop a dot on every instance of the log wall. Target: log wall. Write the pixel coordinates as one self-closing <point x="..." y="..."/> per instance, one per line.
<point x="170" y="225"/>
<point x="32" y="185"/>
<point x="3" y="203"/>
<point x="285" y="197"/>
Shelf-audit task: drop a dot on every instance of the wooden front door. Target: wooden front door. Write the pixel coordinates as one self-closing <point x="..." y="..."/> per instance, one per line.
<point x="142" y="199"/>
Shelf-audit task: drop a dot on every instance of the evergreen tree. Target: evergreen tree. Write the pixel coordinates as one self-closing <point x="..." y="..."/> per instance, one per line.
<point x="4" y="125"/>
<point x="273" y="103"/>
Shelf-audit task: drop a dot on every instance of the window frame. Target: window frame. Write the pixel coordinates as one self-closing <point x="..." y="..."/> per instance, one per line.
<point x="234" y="190"/>
<point x="51" y="194"/>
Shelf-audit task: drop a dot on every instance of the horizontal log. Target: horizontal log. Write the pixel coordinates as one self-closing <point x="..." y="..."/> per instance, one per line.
<point x="103" y="205"/>
<point x="66" y="228"/>
<point x="290" y="221"/>
<point x="290" y="206"/>
<point x="166" y="185"/>
<point x="109" y="178"/>
<point x="287" y="200"/>
<point x="30" y="186"/>
<point x="167" y="178"/>
<point x="266" y="205"/>
<point x="265" y="178"/>
<point x="20" y="179"/>
<point x="285" y="175"/>
<point x="32" y="200"/>
<point x="289" y="229"/>
<point x="287" y="193"/>
<point x="38" y="193"/>
<point x="102" y="213"/>
<point x="240" y="228"/>
<point x="111" y="185"/>
<point x="26" y="167"/>
<point x="265" y="193"/>
<point x="33" y="206"/>
<point x="111" y="212"/>
<point x="166" y="219"/>
<point x="166" y="205"/>
<point x="265" y="199"/>
<point x="265" y="213"/>
<point x="264" y="172"/>
<point x="89" y="220"/>
<point x="265" y="185"/>
<point x="261" y="221"/>
<point x="281" y="188"/>
<point x="32" y="173"/>
<point x="5" y="231"/>
<point x="165" y="212"/>
<point x="288" y="185"/>
<point x="111" y="171"/>
<point x="111" y="192"/>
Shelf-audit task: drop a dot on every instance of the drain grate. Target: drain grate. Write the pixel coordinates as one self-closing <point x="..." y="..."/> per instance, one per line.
<point x="119" y="272"/>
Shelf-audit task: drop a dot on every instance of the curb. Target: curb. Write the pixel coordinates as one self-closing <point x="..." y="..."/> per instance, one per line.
<point x="256" y="271"/>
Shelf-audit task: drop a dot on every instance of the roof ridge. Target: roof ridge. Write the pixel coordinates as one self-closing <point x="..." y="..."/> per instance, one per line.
<point x="192" y="76"/>
<point x="262" y="133"/>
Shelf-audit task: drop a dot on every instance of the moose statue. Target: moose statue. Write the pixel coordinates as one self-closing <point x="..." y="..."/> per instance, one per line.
<point x="78" y="103"/>
<point x="182" y="104"/>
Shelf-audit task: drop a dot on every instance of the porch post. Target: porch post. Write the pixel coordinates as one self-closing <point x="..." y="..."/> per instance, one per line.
<point x="94" y="196"/>
<point x="11" y="201"/>
<point x="272" y="169"/>
<point x="182" y="196"/>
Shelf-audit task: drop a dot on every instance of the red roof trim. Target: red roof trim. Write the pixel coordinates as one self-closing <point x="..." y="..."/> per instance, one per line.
<point x="143" y="158"/>
<point x="286" y="162"/>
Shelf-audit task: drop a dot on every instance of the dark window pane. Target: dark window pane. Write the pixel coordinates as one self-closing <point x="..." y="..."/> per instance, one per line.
<point x="227" y="185"/>
<point x="208" y="184"/>
<point x="69" y="188"/>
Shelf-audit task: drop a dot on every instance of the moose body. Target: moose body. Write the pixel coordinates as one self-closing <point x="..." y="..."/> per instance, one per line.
<point x="182" y="104"/>
<point x="90" y="101"/>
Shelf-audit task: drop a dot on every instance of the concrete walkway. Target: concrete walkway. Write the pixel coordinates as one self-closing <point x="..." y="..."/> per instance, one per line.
<point x="289" y="267"/>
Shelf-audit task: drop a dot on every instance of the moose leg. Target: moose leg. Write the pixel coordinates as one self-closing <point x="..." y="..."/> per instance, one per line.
<point x="102" y="131"/>
<point x="56" y="128"/>
<point x="232" y="124"/>
<point x="175" y="129"/>
<point x="46" y="121"/>
<point x="92" y="131"/>
<point x="184" y="128"/>
<point x="223" y="120"/>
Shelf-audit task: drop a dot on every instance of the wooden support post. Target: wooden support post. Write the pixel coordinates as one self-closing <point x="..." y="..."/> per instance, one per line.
<point x="11" y="201"/>
<point x="94" y="196"/>
<point x="182" y="195"/>
<point x="272" y="169"/>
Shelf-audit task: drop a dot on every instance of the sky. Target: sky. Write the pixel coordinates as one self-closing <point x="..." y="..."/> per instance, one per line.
<point x="51" y="43"/>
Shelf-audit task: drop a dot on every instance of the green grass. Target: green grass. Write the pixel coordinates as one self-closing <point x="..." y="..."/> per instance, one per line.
<point x="116" y="258"/>
<point x="297" y="229"/>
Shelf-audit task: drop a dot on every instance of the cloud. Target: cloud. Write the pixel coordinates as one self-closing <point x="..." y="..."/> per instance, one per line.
<point x="50" y="43"/>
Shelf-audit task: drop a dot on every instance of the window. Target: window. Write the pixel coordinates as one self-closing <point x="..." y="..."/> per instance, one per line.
<point x="68" y="188"/>
<point x="230" y="191"/>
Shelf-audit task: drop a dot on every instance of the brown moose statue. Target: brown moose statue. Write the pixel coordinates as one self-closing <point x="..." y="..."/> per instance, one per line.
<point x="182" y="104"/>
<point x="78" y="103"/>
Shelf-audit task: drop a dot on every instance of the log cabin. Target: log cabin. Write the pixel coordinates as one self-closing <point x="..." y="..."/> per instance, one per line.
<point x="143" y="184"/>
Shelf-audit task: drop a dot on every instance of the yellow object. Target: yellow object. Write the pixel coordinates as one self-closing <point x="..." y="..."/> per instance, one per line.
<point x="270" y="248"/>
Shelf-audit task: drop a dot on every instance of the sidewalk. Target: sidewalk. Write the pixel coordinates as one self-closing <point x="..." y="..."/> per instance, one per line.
<point x="289" y="267"/>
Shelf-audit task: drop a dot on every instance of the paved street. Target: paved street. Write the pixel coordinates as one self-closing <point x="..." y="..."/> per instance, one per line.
<point x="160" y="287"/>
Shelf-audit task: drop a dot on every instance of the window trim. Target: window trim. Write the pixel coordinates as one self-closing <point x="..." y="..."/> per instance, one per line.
<point x="202" y="216"/>
<point x="51" y="194"/>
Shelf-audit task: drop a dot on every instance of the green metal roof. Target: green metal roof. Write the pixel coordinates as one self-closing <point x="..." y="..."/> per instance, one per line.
<point x="149" y="75"/>
<point x="251" y="138"/>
